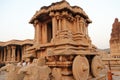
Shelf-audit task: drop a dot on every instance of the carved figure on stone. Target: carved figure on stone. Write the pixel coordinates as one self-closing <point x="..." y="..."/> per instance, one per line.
<point x="12" y="70"/>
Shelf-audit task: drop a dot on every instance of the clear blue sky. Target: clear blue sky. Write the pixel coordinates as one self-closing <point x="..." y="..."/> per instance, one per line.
<point x="15" y="15"/>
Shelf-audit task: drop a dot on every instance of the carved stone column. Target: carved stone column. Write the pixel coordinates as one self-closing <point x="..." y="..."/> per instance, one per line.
<point x="74" y="25"/>
<point x="37" y="26"/>
<point x="8" y="53"/>
<point x="77" y="24"/>
<point x="64" y="27"/>
<point x="64" y="21"/>
<point x="54" y="22"/>
<point x="60" y="25"/>
<point x="35" y="35"/>
<point x="13" y="53"/>
<point x="58" y="22"/>
<point x="43" y="33"/>
<point x="5" y="52"/>
<point x="0" y="55"/>
<point x="84" y="26"/>
<point x="81" y="25"/>
<point x="87" y="29"/>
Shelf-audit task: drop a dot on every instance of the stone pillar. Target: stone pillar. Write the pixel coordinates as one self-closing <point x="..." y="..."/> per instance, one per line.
<point x="64" y="21"/>
<point x="35" y="35"/>
<point x="58" y="22"/>
<point x="84" y="27"/>
<point x="13" y="53"/>
<point x="81" y="25"/>
<point x="0" y="55"/>
<point x="77" y="23"/>
<point x="74" y="25"/>
<point x="38" y="32"/>
<point x="8" y="53"/>
<point x="43" y="33"/>
<point x="87" y="30"/>
<point x="5" y="52"/>
<point x="64" y="26"/>
<point x="60" y="25"/>
<point x="38" y="26"/>
<point x="54" y="22"/>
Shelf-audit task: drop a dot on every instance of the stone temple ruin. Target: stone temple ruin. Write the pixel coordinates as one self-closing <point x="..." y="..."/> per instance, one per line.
<point x="12" y="51"/>
<point x="61" y="37"/>
<point x="113" y="59"/>
<point x="115" y="40"/>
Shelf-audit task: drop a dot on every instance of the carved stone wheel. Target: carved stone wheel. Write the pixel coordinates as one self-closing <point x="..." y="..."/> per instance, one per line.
<point x="80" y="68"/>
<point x="96" y="66"/>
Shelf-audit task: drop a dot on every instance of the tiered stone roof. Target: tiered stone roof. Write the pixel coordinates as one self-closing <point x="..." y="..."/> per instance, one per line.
<point x="59" y="6"/>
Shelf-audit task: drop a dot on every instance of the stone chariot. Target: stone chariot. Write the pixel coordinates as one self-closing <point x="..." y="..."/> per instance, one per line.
<point x="61" y="36"/>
